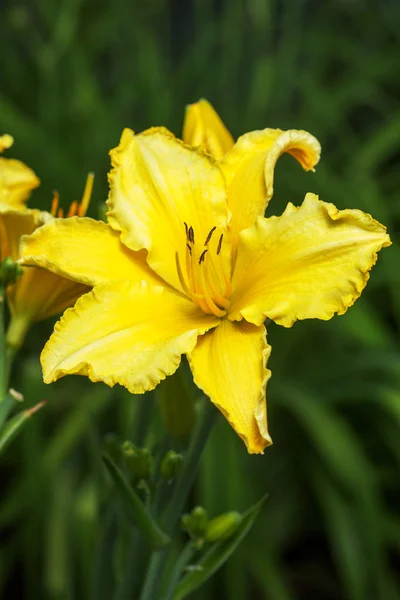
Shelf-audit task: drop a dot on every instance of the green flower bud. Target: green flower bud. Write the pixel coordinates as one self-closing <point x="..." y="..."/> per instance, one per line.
<point x="195" y="523"/>
<point x="9" y="271"/>
<point x="137" y="460"/>
<point x="223" y="526"/>
<point x="171" y="464"/>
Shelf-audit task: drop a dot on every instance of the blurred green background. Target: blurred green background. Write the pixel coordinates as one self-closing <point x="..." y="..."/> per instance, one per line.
<point x="73" y="74"/>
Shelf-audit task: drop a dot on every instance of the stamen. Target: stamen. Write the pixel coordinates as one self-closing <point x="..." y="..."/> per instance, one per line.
<point x="218" y="312"/>
<point x="189" y="269"/>
<point x="210" y="235"/>
<point x="72" y="209"/>
<point x="217" y="296"/>
<point x="54" y="203"/>
<point x="202" y="256"/>
<point x="180" y="275"/>
<point x="60" y="213"/>
<point x="191" y="235"/>
<point x="204" y="284"/>
<point x="87" y="193"/>
<point x="220" y="243"/>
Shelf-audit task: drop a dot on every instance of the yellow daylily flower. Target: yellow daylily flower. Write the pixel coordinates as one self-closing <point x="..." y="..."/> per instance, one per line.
<point x="37" y="294"/>
<point x="184" y="268"/>
<point x="16" y="179"/>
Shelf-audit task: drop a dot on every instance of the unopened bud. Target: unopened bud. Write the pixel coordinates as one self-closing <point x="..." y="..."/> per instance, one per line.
<point x="195" y="523"/>
<point x="223" y="526"/>
<point x="9" y="271"/>
<point x="171" y="464"/>
<point x="137" y="460"/>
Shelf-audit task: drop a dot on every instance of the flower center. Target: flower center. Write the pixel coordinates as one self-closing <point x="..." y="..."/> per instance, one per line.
<point x="204" y="277"/>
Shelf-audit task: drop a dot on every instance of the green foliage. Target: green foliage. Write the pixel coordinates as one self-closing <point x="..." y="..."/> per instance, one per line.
<point x="73" y="74"/>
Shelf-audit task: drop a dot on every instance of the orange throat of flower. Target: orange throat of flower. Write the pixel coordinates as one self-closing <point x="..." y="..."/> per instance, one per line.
<point x="204" y="277"/>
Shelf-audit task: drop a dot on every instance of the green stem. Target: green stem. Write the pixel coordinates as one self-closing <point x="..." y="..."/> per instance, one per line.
<point x="182" y="487"/>
<point x="3" y="358"/>
<point x="6" y="361"/>
<point x="183" y="560"/>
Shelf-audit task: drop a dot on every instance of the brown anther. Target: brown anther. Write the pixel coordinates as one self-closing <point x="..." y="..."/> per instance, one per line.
<point x="189" y="247"/>
<point x="186" y="229"/>
<point x="202" y="256"/>
<point x="191" y="235"/>
<point x="220" y="243"/>
<point x="209" y="235"/>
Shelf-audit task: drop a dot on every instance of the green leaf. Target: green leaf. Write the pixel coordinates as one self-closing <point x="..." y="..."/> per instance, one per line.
<point x="217" y="555"/>
<point x="15" y="424"/>
<point x="135" y="508"/>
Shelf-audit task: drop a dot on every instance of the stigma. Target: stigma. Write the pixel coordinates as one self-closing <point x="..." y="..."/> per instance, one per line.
<point x="204" y="278"/>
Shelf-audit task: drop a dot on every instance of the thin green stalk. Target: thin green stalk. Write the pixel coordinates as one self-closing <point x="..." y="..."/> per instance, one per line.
<point x="183" y="560"/>
<point x="182" y="487"/>
<point x="3" y="358"/>
<point x="6" y="360"/>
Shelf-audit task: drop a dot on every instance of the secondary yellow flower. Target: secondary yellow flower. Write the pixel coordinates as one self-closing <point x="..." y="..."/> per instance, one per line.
<point x="16" y="179"/>
<point x="37" y="294"/>
<point x="189" y="265"/>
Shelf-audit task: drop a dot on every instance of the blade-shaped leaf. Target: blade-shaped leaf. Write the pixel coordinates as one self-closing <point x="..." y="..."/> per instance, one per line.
<point x="135" y="508"/>
<point x="15" y="424"/>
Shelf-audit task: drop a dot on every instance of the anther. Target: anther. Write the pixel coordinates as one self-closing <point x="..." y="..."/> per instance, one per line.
<point x="191" y="235"/>
<point x="202" y="256"/>
<point x="220" y="243"/>
<point x="209" y="235"/>
<point x="189" y="247"/>
<point x="186" y="229"/>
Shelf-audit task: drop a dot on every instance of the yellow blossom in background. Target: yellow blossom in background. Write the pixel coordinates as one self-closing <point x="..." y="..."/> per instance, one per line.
<point x="189" y="265"/>
<point x="37" y="294"/>
<point x="16" y="179"/>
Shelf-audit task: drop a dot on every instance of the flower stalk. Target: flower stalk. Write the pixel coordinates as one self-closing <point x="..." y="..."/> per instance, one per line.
<point x="182" y="488"/>
<point x="3" y="357"/>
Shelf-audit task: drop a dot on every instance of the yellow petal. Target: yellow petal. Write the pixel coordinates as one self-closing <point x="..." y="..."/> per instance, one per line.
<point x="229" y="365"/>
<point x="249" y="169"/>
<point x="14" y="224"/>
<point x="204" y="127"/>
<point x="126" y="333"/>
<point x="84" y="250"/>
<point x="156" y="186"/>
<point x="16" y="183"/>
<point x="311" y="262"/>
<point x="39" y="294"/>
<point x="6" y="141"/>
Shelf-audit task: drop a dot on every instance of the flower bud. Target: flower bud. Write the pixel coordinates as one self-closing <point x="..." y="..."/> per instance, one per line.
<point x="137" y="460"/>
<point x="195" y="523"/>
<point x="171" y="465"/>
<point x="9" y="271"/>
<point x="223" y="526"/>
